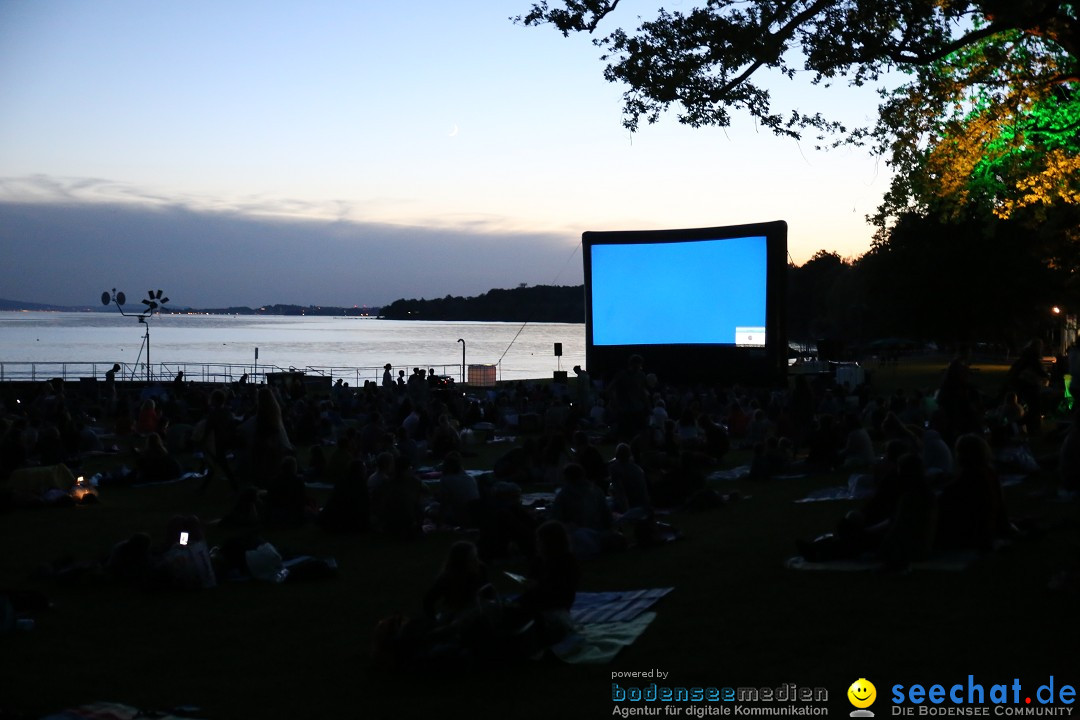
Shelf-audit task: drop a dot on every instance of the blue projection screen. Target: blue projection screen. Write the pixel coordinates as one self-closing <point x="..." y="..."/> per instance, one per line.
<point x="689" y="293"/>
<point x="699" y="303"/>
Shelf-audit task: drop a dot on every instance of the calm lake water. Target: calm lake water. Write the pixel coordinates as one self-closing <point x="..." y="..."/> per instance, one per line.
<point x="45" y="338"/>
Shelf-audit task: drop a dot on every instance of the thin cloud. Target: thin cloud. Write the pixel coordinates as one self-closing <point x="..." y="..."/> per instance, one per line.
<point x="66" y="251"/>
<point x="383" y="211"/>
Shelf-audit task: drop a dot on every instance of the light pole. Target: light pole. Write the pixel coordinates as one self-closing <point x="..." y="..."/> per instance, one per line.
<point x="460" y="340"/>
<point x="1059" y="342"/>
<point x="153" y="302"/>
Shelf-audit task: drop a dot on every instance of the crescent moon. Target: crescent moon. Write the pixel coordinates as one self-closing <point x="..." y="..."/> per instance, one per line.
<point x="453" y="131"/>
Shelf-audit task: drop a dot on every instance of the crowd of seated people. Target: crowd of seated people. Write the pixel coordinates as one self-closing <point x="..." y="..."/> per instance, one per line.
<point x="668" y="426"/>
<point x="933" y="490"/>
<point x="911" y="514"/>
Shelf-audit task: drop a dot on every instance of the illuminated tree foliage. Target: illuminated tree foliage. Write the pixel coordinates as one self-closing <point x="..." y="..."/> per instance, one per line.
<point x="989" y="129"/>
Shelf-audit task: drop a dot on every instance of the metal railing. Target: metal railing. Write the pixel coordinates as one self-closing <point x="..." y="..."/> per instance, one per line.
<point x="221" y="373"/>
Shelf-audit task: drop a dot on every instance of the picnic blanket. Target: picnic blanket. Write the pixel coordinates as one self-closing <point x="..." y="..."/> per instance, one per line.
<point x="116" y="711"/>
<point x="537" y="498"/>
<point x="605" y="623"/>
<point x="619" y="606"/>
<point x="172" y="481"/>
<point x="955" y="561"/>
<point x="742" y="472"/>
<point x="1011" y="480"/>
<point x="38" y="480"/>
<point x="735" y="473"/>
<point x="861" y="486"/>
<point x="600" y="643"/>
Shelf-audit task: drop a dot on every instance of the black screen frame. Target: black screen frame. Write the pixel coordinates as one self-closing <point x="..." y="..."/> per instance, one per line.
<point x="721" y="362"/>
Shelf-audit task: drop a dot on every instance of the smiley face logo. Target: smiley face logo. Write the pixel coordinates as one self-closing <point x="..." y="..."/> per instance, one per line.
<point x="862" y="693"/>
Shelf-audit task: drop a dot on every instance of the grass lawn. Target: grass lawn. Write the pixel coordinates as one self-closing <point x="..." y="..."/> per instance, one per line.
<point x="737" y="617"/>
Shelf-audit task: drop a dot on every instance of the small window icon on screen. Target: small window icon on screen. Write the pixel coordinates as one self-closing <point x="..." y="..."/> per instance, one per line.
<point x="754" y="336"/>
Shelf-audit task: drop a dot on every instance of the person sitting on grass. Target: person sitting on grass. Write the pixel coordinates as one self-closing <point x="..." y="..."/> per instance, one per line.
<point x="149" y="419"/>
<point x="1027" y="377"/>
<point x="630" y="498"/>
<point x="130" y="561"/>
<point x="444" y="438"/>
<point x="910" y="532"/>
<point x="858" y="451"/>
<point x="552" y="583"/>
<point x="348" y="509"/>
<point x="384" y="471"/>
<point x="453" y="597"/>
<point x="779" y="455"/>
<point x="588" y="456"/>
<point x="265" y="440"/>
<point x="154" y="463"/>
<point x="629" y="488"/>
<point x="758" y="429"/>
<point x="346" y="450"/>
<point x="553" y="457"/>
<point x="823" y="446"/>
<point x="886" y="485"/>
<point x="286" y="498"/>
<point x="715" y="436"/>
<point x="972" y="507"/>
<point x="897" y="526"/>
<point x="893" y="429"/>
<point x="582" y="507"/>
<point x="395" y="498"/>
<point x="246" y="511"/>
<point x="218" y="438"/>
<point x="458" y="493"/>
<point x="506" y="528"/>
<point x="186" y="562"/>
<point x="1012" y="415"/>
<point x="1069" y="460"/>
<point x="937" y="457"/>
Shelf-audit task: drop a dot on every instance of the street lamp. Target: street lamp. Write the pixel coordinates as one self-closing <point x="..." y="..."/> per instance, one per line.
<point x="1064" y="326"/>
<point x="154" y="303"/>
<point x="462" y="360"/>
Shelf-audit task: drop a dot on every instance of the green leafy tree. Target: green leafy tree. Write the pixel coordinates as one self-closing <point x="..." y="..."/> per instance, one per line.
<point x="991" y="129"/>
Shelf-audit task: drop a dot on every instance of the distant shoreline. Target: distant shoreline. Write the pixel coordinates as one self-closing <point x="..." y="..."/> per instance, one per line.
<point x="538" y="303"/>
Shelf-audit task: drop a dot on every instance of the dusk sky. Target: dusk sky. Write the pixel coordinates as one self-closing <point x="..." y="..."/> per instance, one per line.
<point x="343" y="153"/>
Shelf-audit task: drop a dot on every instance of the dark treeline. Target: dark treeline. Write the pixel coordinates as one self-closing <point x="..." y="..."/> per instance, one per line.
<point x="539" y="303"/>
<point x="283" y="309"/>
<point x="20" y="305"/>
<point x="948" y="283"/>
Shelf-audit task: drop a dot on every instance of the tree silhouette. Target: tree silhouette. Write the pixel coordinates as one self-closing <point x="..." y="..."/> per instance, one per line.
<point x="706" y="60"/>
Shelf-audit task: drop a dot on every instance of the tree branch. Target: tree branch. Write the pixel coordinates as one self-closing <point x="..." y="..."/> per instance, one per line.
<point x="597" y="17"/>
<point x="900" y="54"/>
<point x="783" y="33"/>
<point x="572" y="19"/>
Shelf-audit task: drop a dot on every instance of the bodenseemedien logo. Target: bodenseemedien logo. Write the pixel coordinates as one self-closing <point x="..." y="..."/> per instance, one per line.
<point x="862" y="694"/>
